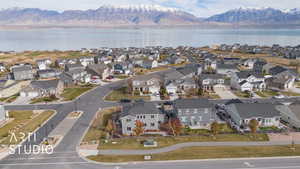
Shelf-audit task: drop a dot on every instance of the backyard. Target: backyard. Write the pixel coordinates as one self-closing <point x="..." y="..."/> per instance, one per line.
<point x="22" y="121"/>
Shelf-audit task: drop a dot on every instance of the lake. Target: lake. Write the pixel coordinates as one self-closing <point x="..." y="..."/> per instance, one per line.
<point x="77" y="38"/>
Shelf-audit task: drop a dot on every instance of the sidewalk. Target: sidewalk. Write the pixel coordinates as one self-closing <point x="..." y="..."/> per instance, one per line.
<point x="192" y="144"/>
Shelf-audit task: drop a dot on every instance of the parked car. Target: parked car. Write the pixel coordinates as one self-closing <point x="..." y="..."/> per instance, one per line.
<point x="279" y="97"/>
<point x="125" y="101"/>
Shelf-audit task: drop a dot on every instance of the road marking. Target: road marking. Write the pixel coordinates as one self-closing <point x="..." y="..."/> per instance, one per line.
<point x="248" y="164"/>
<point x="58" y="163"/>
<point x="37" y="158"/>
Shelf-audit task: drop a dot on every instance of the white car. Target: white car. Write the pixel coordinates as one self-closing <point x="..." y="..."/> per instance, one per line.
<point x="279" y="97"/>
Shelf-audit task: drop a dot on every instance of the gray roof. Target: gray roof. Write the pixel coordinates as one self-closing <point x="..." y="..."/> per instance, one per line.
<point x="140" y="107"/>
<point x="192" y="103"/>
<point x="212" y="76"/>
<point x="250" y="110"/>
<point x="44" y="84"/>
<point x="246" y="74"/>
<point x="227" y="66"/>
<point x="22" y="68"/>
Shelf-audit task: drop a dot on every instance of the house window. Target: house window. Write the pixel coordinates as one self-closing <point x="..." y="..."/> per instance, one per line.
<point x="200" y="118"/>
<point x="152" y="116"/>
<point x="205" y="111"/>
<point x="144" y="117"/>
<point x="195" y="111"/>
<point x="128" y="128"/>
<point x="128" y="120"/>
<point x="152" y="124"/>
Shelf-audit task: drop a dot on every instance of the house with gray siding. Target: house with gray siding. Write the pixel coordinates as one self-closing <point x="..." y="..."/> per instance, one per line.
<point x="22" y="72"/>
<point x="145" y="112"/>
<point x="242" y="113"/>
<point x="195" y="113"/>
<point x="290" y="114"/>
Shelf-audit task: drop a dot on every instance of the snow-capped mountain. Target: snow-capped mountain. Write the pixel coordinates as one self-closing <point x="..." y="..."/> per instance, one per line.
<point x="103" y="16"/>
<point x="258" y="16"/>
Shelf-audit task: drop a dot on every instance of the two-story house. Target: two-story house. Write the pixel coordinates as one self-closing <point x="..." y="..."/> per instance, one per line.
<point x="147" y="84"/>
<point x="247" y="81"/>
<point x="195" y="113"/>
<point x="22" y="72"/>
<point x="100" y="70"/>
<point x="145" y="112"/>
<point x="209" y="81"/>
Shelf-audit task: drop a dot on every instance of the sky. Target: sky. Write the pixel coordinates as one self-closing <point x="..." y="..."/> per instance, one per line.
<point x="200" y="8"/>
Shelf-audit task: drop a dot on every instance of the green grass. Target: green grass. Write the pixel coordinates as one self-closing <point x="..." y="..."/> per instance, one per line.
<point x="43" y="99"/>
<point x="242" y="94"/>
<point x="266" y="93"/>
<point x="191" y="153"/>
<point x="290" y="93"/>
<point x="23" y="122"/>
<point x="136" y="143"/>
<point x="121" y="76"/>
<point x="122" y="93"/>
<point x="71" y="93"/>
<point x="11" y="98"/>
<point x="96" y="130"/>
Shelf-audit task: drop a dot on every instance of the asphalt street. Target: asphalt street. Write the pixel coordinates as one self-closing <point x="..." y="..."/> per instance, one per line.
<point x="65" y="155"/>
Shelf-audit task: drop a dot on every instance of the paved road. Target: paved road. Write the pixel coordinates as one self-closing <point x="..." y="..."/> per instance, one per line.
<point x="65" y="155"/>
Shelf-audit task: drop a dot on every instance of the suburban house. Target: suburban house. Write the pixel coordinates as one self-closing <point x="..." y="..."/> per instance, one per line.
<point x="290" y="114"/>
<point x="195" y="113"/>
<point x="150" y="64"/>
<point x="22" y="72"/>
<point x="242" y="113"/>
<point x="43" y="88"/>
<point x="209" y="81"/>
<point x="85" y="61"/>
<point x="147" y="84"/>
<point x="145" y="112"/>
<point x="249" y="63"/>
<point x="190" y="70"/>
<point x="48" y="73"/>
<point x="258" y="66"/>
<point x="77" y="72"/>
<point x="43" y="64"/>
<point x="100" y="70"/>
<point x="123" y="68"/>
<point x="247" y="81"/>
<point x="180" y="85"/>
<point x="2" y="67"/>
<point x="210" y="64"/>
<point x="281" y="81"/>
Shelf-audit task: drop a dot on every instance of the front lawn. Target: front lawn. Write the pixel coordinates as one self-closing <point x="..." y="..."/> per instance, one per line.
<point x="43" y="99"/>
<point x="72" y="93"/>
<point x="23" y="121"/>
<point x="136" y="143"/>
<point x="97" y="129"/>
<point x="211" y="152"/>
<point x="267" y="93"/>
<point x="242" y="94"/>
<point x="289" y="93"/>
<point x="122" y="93"/>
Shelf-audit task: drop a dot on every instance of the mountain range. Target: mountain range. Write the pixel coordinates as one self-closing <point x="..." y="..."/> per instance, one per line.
<point x="145" y="15"/>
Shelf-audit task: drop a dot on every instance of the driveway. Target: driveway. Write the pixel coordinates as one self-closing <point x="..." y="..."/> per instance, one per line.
<point x="225" y="93"/>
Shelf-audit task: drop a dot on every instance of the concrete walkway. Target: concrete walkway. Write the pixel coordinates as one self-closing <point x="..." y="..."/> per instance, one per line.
<point x="191" y="144"/>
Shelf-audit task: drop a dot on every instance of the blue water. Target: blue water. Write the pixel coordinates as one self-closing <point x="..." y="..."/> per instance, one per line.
<point x="77" y="38"/>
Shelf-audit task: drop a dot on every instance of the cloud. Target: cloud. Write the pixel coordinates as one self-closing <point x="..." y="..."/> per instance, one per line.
<point x="203" y="8"/>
